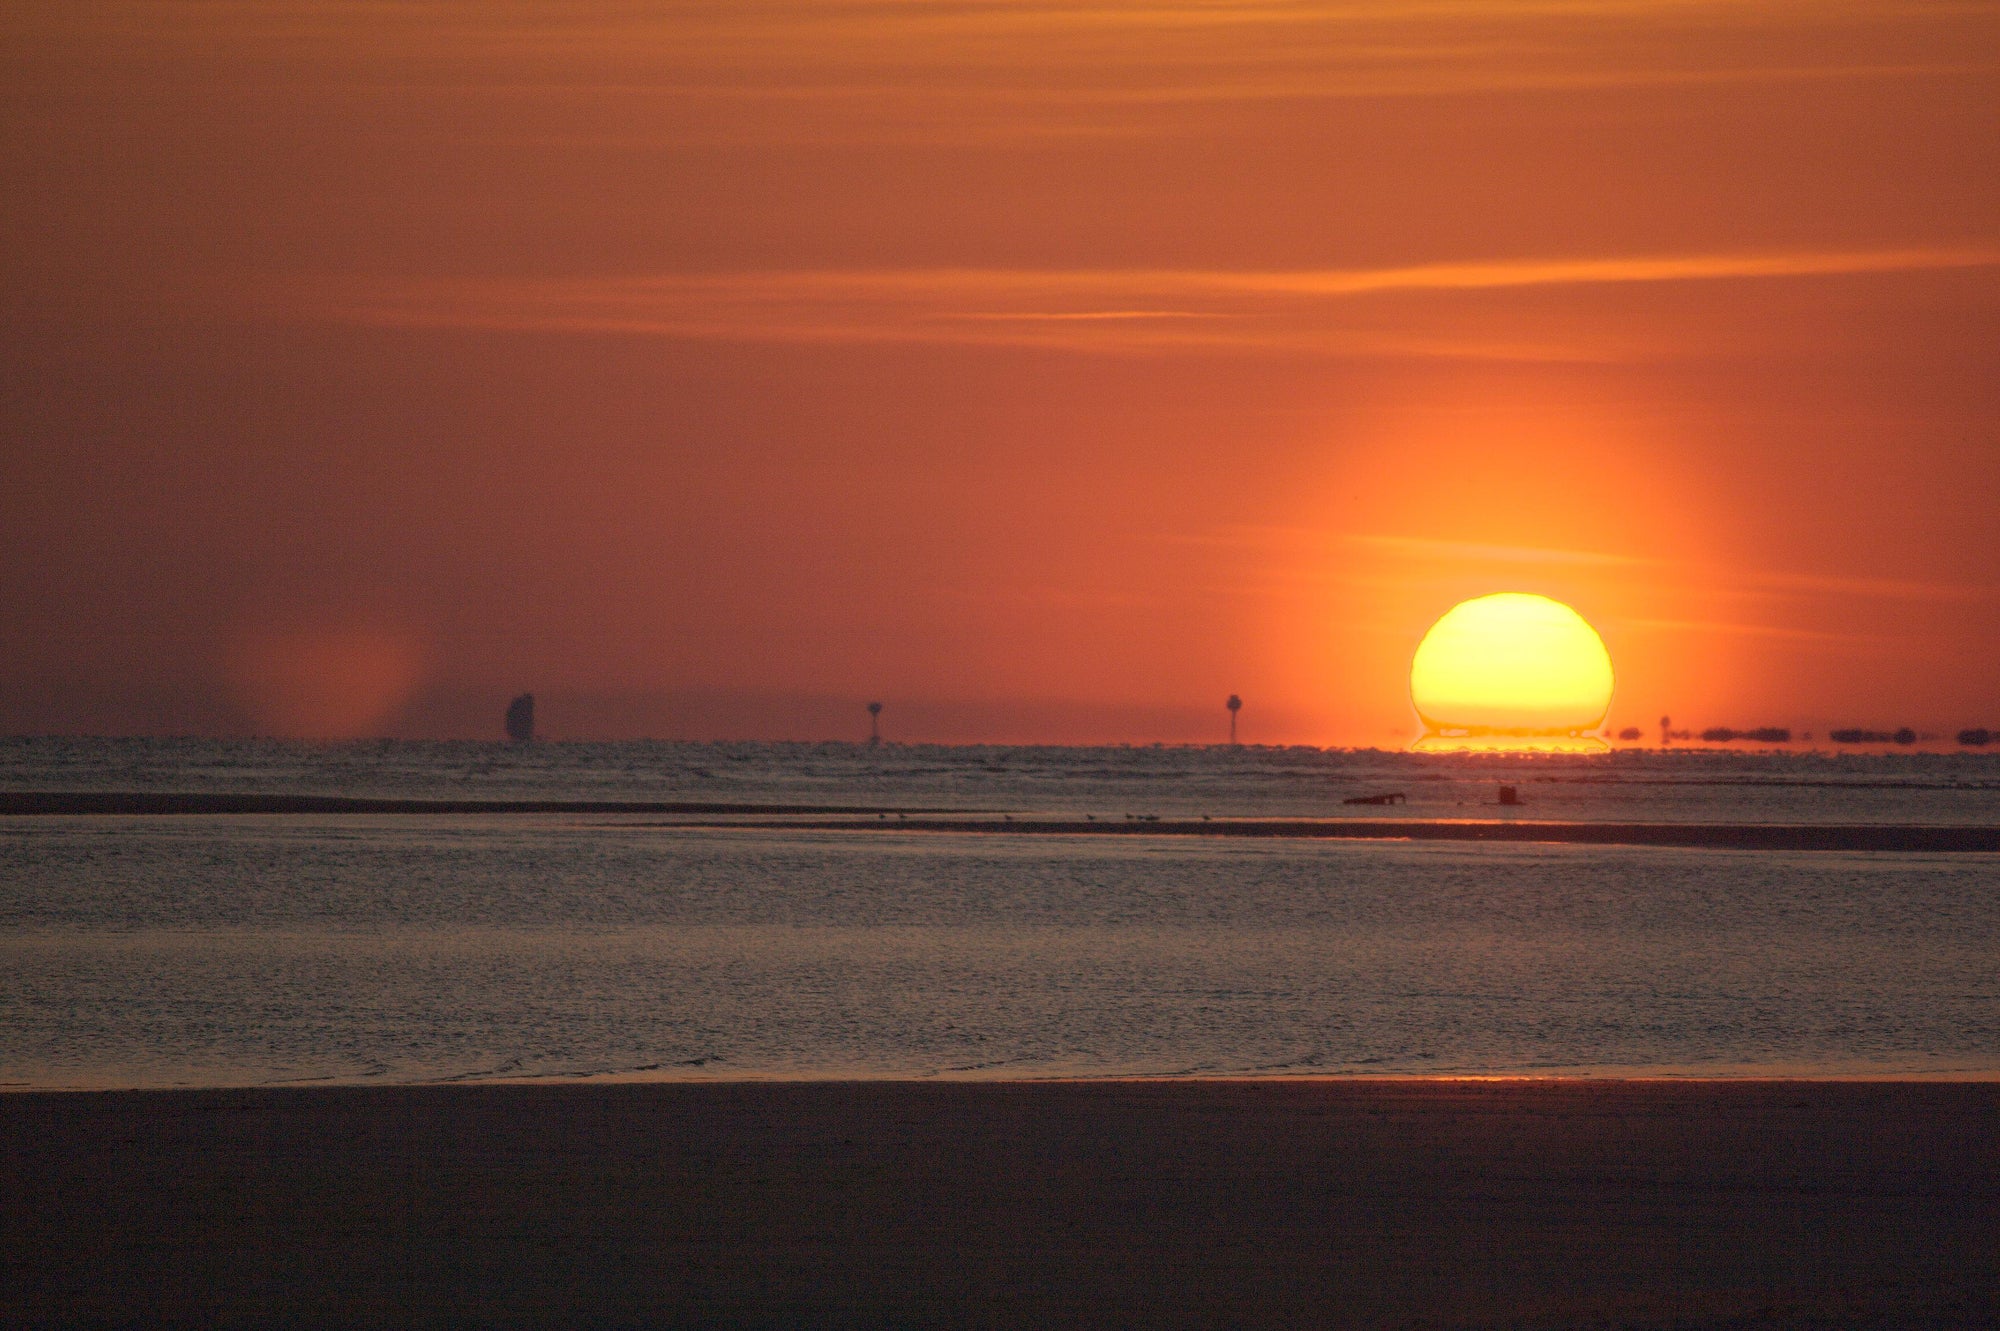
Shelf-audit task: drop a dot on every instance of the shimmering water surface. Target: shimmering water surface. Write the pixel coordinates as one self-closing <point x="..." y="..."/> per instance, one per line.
<point x="255" y="949"/>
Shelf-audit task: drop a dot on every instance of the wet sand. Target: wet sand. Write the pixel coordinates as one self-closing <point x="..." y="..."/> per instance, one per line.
<point x="1179" y="1204"/>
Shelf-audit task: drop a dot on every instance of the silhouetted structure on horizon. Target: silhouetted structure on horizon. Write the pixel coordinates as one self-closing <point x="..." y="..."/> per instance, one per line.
<point x="1975" y="738"/>
<point x="1761" y="735"/>
<point x="521" y="719"/>
<point x="1235" y="705"/>
<point x="874" y="723"/>
<point x="1630" y="733"/>
<point x="1853" y="735"/>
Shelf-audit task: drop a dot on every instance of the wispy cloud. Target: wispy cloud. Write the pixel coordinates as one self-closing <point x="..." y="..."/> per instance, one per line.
<point x="1468" y="551"/>
<point x="1777" y="583"/>
<point x="1381" y="561"/>
<point x="898" y="71"/>
<point x="1776" y="632"/>
<point x="1109" y="309"/>
<point x="1574" y="272"/>
<point x="1744" y="581"/>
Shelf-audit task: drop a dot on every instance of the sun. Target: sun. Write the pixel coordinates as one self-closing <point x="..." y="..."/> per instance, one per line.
<point x="1511" y="671"/>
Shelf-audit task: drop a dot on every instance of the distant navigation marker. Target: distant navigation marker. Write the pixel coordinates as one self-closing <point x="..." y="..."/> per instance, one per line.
<point x="874" y="723"/>
<point x="1235" y="705"/>
<point x="521" y="719"/>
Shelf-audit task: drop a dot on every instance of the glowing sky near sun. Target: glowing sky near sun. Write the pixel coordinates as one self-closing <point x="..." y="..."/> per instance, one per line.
<point x="1050" y="370"/>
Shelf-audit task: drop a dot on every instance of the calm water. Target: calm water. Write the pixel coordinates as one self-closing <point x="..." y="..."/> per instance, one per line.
<point x="154" y="951"/>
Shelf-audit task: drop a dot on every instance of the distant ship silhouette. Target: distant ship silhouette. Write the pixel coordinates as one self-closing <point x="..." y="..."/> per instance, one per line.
<point x="521" y="719"/>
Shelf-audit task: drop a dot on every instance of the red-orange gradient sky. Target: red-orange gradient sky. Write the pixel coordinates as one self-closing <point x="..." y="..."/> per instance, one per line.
<point x="1049" y="371"/>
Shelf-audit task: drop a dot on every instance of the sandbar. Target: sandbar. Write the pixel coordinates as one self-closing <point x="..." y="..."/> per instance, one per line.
<point x="1902" y="837"/>
<point x="23" y="803"/>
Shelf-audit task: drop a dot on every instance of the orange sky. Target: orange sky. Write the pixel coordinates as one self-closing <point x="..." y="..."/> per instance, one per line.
<point x="1048" y="371"/>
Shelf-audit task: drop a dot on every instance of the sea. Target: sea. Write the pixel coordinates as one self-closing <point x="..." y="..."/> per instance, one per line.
<point x="568" y="944"/>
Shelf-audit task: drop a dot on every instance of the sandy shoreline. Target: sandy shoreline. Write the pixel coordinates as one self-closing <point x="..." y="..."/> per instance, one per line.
<point x="997" y="1204"/>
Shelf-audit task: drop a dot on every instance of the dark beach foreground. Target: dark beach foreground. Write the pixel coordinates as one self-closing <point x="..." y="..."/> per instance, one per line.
<point x="1198" y="1204"/>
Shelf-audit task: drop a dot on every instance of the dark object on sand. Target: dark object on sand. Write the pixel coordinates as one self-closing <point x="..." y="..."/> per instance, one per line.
<point x="1509" y="795"/>
<point x="521" y="719"/>
<point x="1392" y="797"/>
<point x="1975" y="738"/>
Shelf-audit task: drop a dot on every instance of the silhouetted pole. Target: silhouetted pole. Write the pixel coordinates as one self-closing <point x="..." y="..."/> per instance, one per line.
<point x="874" y="723"/>
<point x="1235" y="705"/>
<point x="1666" y="731"/>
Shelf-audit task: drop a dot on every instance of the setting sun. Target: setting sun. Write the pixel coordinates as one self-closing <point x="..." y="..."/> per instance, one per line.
<point x="1510" y="670"/>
